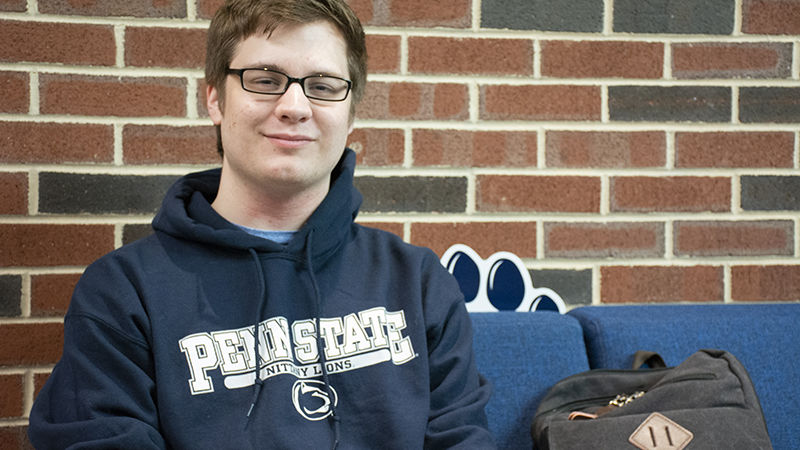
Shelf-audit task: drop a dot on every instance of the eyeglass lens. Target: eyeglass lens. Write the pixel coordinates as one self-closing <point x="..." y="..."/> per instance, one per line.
<point x="318" y="87"/>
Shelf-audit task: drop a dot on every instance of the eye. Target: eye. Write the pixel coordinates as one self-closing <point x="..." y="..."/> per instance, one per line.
<point x="263" y="80"/>
<point x="266" y="80"/>
<point x="321" y="86"/>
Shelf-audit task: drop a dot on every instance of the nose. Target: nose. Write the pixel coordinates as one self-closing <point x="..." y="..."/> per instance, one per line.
<point x="293" y="105"/>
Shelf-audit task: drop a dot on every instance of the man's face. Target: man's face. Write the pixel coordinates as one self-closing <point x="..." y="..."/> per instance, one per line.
<point x="283" y="144"/>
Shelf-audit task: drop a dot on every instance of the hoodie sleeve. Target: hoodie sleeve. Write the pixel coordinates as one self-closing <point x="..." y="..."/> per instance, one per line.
<point x="458" y="393"/>
<point x="101" y="394"/>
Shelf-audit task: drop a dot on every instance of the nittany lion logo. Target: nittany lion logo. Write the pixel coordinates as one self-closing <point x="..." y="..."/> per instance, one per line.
<point x="311" y="399"/>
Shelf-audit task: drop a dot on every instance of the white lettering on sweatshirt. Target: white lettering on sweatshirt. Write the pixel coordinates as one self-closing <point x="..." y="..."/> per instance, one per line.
<point x="351" y="342"/>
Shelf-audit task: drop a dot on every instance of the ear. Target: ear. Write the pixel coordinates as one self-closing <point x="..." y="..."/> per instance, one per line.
<point x="214" y="104"/>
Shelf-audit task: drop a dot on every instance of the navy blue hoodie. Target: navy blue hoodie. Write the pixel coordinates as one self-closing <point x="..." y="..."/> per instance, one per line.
<point x="160" y="347"/>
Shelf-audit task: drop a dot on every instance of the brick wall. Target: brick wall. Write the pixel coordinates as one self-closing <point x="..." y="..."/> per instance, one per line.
<point x="627" y="150"/>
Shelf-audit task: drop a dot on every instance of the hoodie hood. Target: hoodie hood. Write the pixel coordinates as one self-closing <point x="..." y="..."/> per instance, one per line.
<point x="162" y="332"/>
<point x="186" y="213"/>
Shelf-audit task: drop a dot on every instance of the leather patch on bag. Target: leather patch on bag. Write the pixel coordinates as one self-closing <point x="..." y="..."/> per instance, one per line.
<point x="658" y="432"/>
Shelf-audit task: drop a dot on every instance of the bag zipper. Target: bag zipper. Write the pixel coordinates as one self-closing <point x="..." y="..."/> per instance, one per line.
<point x="622" y="399"/>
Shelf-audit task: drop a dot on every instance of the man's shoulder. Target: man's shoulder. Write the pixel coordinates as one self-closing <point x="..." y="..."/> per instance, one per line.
<point x="389" y="237"/>
<point x="380" y="241"/>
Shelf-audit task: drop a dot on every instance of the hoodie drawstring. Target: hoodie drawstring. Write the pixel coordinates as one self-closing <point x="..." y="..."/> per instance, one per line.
<point x="320" y="344"/>
<point x="321" y="348"/>
<point x="262" y="301"/>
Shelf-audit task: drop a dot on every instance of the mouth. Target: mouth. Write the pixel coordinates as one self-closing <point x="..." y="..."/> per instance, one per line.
<point x="289" y="140"/>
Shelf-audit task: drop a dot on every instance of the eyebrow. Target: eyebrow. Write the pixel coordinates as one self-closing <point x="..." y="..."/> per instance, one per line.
<point x="279" y="68"/>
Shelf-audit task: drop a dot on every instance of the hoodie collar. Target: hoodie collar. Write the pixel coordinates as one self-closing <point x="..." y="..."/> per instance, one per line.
<point x="186" y="213"/>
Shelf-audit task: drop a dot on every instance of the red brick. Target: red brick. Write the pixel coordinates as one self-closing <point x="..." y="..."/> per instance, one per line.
<point x="135" y="8"/>
<point x="734" y="149"/>
<point x="415" y="101"/>
<point x="10" y="396"/>
<point x="661" y="284"/>
<point x="39" y="379"/>
<point x="391" y="227"/>
<point x="675" y="194"/>
<point x="744" y="238"/>
<point x="53" y="245"/>
<point x="112" y="96"/>
<point x="485" y="238"/>
<point x="424" y="13"/>
<point x="470" y="56"/>
<point x="607" y="149"/>
<point x="34" y="343"/>
<point x="384" y="53"/>
<point x="40" y="142"/>
<point x="771" y="16"/>
<point x="450" y="101"/>
<point x="507" y="193"/>
<point x="602" y="59"/>
<point x="207" y="8"/>
<point x="604" y="240"/>
<point x="474" y="148"/>
<point x="14" y="88"/>
<point x="363" y="9"/>
<point x="14" y="438"/>
<point x="13" y="193"/>
<point x="65" y="43"/>
<point x="154" y="144"/>
<point x="378" y="146"/>
<point x="50" y="294"/>
<point x="731" y="60"/>
<point x="540" y="102"/>
<point x="200" y="96"/>
<point x="13" y="6"/>
<point x="165" y="47"/>
<point x="765" y="283"/>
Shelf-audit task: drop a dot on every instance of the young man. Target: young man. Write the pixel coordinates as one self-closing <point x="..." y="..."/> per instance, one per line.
<point x="259" y="315"/>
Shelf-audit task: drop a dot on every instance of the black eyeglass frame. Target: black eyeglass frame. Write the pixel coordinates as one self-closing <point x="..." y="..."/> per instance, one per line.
<point x="290" y="80"/>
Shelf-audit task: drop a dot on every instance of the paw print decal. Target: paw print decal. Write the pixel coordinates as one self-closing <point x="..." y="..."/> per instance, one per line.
<point x="498" y="283"/>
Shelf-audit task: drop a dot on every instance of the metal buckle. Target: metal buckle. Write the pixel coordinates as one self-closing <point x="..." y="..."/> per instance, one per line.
<point x="623" y="399"/>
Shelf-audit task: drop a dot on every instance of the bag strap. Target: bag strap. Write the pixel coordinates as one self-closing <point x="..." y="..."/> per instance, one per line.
<point x="652" y="359"/>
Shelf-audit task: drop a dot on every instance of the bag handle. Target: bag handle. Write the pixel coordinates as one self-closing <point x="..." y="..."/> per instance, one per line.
<point x="652" y="359"/>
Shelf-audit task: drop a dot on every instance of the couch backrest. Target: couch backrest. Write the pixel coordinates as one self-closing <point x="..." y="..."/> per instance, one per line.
<point x="523" y="355"/>
<point x="764" y="337"/>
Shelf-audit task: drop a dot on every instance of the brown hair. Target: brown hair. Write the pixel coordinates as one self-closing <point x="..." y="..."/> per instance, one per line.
<point x="237" y="20"/>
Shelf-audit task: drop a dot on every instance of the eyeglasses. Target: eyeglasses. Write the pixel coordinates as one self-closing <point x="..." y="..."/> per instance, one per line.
<point x="272" y="82"/>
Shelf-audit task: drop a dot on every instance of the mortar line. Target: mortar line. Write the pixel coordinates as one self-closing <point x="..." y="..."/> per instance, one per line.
<point x="119" y="39"/>
<point x="33" y="192"/>
<point x="191" y="10"/>
<point x="28" y="391"/>
<point x="608" y="17"/>
<point x="34" y="95"/>
<point x="476" y="15"/>
<point x="540" y="247"/>
<point x="737" y="18"/>
<point x="26" y="296"/>
<point x="119" y="158"/>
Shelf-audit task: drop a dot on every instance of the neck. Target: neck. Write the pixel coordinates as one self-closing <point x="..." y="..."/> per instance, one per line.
<point x="264" y="209"/>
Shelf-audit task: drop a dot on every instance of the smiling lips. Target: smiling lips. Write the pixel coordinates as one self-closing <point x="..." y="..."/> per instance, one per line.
<point x="289" y="140"/>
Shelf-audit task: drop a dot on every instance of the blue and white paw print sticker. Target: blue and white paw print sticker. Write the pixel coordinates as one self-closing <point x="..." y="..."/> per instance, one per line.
<point x="498" y="283"/>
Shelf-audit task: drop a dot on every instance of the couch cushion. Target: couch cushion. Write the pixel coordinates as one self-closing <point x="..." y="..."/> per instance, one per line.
<point x="523" y="355"/>
<point x="764" y="337"/>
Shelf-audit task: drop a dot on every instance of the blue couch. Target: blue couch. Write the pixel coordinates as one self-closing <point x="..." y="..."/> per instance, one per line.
<point x="524" y="354"/>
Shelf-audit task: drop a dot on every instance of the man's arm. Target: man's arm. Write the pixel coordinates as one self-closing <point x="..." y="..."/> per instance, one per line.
<point x="458" y="393"/>
<point x="101" y="394"/>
